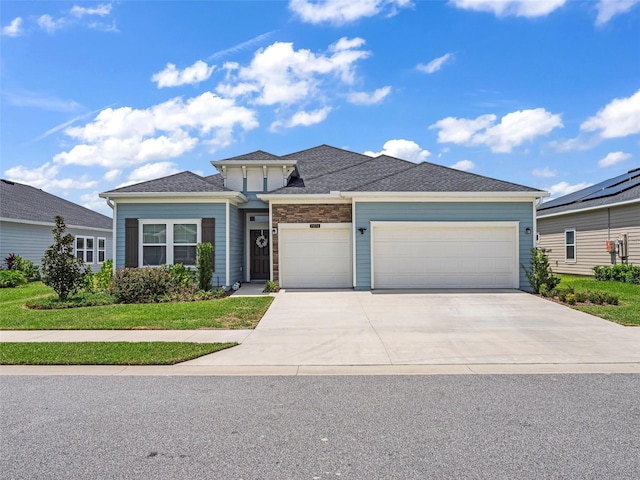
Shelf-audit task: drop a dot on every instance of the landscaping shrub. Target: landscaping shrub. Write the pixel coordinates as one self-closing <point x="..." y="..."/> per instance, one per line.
<point x="153" y="285"/>
<point x="271" y="286"/>
<point x="539" y="273"/>
<point x="570" y="298"/>
<point x="61" y="270"/>
<point x="27" y="267"/>
<point x="11" y="278"/>
<point x="204" y="261"/>
<point x="618" y="273"/>
<point x="611" y="299"/>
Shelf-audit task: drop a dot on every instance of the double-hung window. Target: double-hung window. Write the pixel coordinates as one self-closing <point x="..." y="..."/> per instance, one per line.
<point x="102" y="248"/>
<point x="169" y="242"/>
<point x="570" y="245"/>
<point x="84" y="248"/>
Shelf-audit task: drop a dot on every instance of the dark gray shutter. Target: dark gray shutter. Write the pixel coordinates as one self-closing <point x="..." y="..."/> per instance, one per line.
<point x="209" y="235"/>
<point x="131" y="242"/>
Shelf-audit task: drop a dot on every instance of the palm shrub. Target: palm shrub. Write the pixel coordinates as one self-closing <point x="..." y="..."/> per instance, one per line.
<point x="539" y="272"/>
<point x="61" y="270"/>
<point x="204" y="261"/>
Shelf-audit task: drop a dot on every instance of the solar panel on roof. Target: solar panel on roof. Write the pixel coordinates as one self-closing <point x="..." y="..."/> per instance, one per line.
<point x="586" y="193"/>
<point x="613" y="190"/>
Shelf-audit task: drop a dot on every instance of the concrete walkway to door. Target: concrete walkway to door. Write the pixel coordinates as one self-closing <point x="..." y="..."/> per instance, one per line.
<point x="427" y="328"/>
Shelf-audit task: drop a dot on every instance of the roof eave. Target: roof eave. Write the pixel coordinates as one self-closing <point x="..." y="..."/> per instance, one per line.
<point x="485" y="194"/>
<point x="220" y="195"/>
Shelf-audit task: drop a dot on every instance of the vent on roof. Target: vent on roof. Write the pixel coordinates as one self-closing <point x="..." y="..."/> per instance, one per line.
<point x="8" y="182"/>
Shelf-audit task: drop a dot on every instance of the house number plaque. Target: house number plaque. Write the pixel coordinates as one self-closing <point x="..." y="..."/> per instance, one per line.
<point x="314" y="225"/>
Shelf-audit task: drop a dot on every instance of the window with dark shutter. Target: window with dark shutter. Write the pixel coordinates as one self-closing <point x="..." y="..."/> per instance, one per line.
<point x="131" y="242"/>
<point x="209" y="235"/>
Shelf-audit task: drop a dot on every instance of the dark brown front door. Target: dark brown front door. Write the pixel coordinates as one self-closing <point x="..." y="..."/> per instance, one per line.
<point x="259" y="258"/>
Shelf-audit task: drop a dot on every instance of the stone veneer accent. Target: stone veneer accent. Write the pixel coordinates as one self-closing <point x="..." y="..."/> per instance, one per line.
<point x="306" y="213"/>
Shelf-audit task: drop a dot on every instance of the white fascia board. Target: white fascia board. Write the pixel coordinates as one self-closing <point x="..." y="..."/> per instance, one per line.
<point x="541" y="215"/>
<point x="51" y="224"/>
<point x="255" y="163"/>
<point x="444" y="196"/>
<point x="188" y="197"/>
<point x="289" y="199"/>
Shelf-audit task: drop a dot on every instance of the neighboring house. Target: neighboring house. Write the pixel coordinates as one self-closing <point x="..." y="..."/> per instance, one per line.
<point x="330" y="218"/>
<point x="27" y="218"/>
<point x="598" y="225"/>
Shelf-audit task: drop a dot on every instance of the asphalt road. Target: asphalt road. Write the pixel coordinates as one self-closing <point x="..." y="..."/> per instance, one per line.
<point x="351" y="427"/>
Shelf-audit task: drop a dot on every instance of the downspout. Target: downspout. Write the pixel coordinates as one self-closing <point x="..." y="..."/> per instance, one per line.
<point x="112" y="205"/>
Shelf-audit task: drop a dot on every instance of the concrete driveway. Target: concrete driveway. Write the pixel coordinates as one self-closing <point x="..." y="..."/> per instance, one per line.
<point x="427" y="328"/>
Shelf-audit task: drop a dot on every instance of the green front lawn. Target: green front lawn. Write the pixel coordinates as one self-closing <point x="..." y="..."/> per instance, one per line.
<point x="104" y="353"/>
<point x="226" y="313"/>
<point x="627" y="313"/>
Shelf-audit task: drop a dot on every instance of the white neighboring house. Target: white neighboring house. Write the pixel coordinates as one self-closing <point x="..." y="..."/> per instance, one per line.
<point x="27" y="218"/>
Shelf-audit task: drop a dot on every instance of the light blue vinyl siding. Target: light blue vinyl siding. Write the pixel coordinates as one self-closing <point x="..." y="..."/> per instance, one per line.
<point x="30" y="241"/>
<point x="366" y="212"/>
<point x="236" y="244"/>
<point x="170" y="211"/>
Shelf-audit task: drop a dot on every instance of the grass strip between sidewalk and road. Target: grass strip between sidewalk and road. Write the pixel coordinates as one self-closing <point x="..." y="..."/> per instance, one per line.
<point x="225" y="313"/>
<point x="627" y="313"/>
<point x="104" y="353"/>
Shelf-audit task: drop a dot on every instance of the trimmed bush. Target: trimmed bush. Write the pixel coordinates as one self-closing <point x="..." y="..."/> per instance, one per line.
<point x="271" y="286"/>
<point x="618" y="273"/>
<point x="204" y="261"/>
<point x="153" y="285"/>
<point x="11" y="278"/>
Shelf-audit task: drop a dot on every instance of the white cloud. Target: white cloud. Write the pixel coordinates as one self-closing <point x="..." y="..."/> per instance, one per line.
<point x="514" y="129"/>
<point x="404" y="149"/>
<point x="47" y="23"/>
<point x="607" y="9"/>
<point x="101" y="10"/>
<point x="172" y="77"/>
<point x="112" y="175"/>
<point x="340" y="12"/>
<point x="14" y="29"/>
<point x="613" y="158"/>
<point x="279" y="74"/>
<point x="151" y="171"/>
<point x="93" y="202"/>
<point x="43" y="101"/>
<point x="45" y="177"/>
<point x="364" y="98"/>
<point x="126" y="136"/>
<point x="302" y="118"/>
<point x="435" y="64"/>
<point x="464" y="165"/>
<point x="621" y="117"/>
<point x="505" y="8"/>
<point x="563" y="188"/>
<point x="545" y="172"/>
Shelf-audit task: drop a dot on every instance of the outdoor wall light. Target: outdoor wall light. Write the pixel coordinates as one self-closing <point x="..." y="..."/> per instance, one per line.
<point x="362" y="230"/>
<point x="527" y="231"/>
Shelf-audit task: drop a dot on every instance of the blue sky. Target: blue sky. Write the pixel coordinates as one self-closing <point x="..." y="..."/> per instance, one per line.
<point x="96" y="95"/>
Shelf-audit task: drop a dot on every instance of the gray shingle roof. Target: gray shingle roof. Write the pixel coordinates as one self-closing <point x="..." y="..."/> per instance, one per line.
<point x="257" y="156"/>
<point x="23" y="202"/>
<point x="182" y="182"/>
<point x="581" y="199"/>
<point x="325" y="168"/>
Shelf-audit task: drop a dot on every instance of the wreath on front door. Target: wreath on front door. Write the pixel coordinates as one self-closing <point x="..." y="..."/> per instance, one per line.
<point x="262" y="241"/>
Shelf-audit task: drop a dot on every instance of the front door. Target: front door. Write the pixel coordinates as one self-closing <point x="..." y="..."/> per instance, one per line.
<point x="259" y="256"/>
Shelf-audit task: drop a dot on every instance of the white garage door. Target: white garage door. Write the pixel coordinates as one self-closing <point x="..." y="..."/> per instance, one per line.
<point x="315" y="257"/>
<point x="445" y="255"/>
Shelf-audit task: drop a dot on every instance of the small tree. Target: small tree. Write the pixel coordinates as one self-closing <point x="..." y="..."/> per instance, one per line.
<point x="540" y="272"/>
<point x="61" y="270"/>
<point x="204" y="260"/>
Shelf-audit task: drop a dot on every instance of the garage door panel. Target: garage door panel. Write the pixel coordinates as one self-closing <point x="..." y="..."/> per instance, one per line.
<point x="431" y="256"/>
<point x="316" y="258"/>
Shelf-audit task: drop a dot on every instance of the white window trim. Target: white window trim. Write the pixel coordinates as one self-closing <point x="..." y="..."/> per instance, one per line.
<point x="574" y="245"/>
<point x="169" y="241"/>
<point x="98" y="250"/>
<point x="84" y="250"/>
